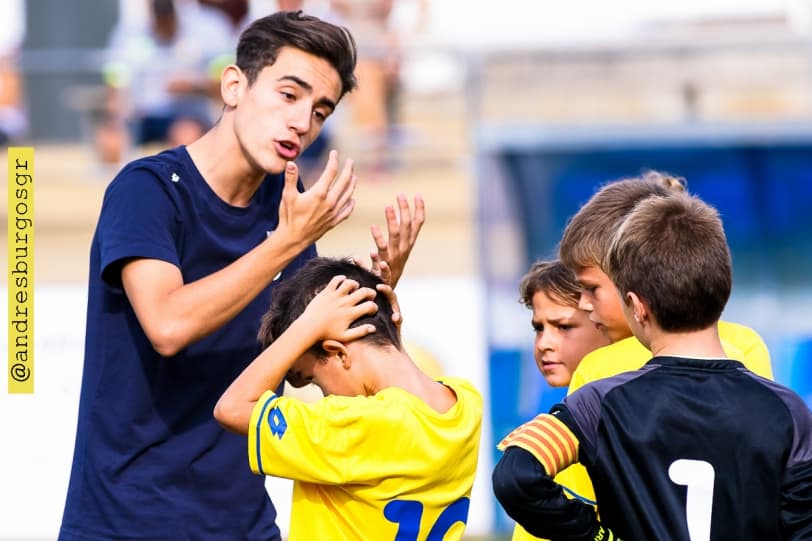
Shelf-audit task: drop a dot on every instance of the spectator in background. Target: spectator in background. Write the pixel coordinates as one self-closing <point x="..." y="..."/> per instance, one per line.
<point x="163" y="77"/>
<point x="378" y="73"/>
<point x="13" y="115"/>
<point x="13" y="122"/>
<point x="235" y="12"/>
<point x="238" y="14"/>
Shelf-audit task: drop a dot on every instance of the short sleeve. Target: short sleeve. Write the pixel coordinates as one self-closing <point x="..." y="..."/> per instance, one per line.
<point x="138" y="219"/>
<point x="312" y="442"/>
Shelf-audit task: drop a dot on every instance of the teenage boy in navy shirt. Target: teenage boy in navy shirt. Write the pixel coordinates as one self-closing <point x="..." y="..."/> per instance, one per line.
<point x="188" y="247"/>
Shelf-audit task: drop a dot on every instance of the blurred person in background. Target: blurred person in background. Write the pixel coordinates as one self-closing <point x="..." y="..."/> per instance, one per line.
<point x="236" y="13"/>
<point x="378" y="72"/>
<point x="13" y="122"/>
<point x="163" y="77"/>
<point x="13" y="114"/>
<point x="13" y="119"/>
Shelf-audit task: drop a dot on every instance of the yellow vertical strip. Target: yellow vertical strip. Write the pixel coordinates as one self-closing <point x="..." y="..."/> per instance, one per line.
<point x="21" y="270"/>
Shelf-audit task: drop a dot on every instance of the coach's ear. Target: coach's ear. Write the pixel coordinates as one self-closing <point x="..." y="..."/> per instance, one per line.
<point x="334" y="348"/>
<point x="232" y="84"/>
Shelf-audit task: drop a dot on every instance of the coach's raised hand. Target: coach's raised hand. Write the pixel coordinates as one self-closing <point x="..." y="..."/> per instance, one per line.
<point x="309" y="215"/>
<point x="403" y="226"/>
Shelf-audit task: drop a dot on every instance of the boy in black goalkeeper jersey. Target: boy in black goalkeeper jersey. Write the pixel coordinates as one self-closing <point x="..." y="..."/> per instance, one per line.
<point x="693" y="445"/>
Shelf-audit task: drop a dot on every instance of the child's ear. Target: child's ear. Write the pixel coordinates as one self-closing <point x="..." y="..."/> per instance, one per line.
<point x="639" y="307"/>
<point x="338" y="349"/>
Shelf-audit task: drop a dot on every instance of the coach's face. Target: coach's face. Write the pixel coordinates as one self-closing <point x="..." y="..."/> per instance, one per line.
<point x="285" y="108"/>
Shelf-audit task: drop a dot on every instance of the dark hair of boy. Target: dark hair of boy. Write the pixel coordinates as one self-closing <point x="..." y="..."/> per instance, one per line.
<point x="291" y="297"/>
<point x="589" y="232"/>
<point x="261" y="42"/>
<point x="552" y="277"/>
<point x="672" y="252"/>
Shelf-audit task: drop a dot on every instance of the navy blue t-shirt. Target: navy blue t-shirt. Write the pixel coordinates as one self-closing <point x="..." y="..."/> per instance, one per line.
<point x="150" y="461"/>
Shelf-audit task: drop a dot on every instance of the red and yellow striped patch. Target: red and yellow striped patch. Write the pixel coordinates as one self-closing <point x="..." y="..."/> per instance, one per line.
<point x="547" y="439"/>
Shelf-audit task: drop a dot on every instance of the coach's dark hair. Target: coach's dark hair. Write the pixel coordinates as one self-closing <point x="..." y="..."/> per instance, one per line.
<point x="290" y="298"/>
<point x="261" y="42"/>
<point x="672" y="252"/>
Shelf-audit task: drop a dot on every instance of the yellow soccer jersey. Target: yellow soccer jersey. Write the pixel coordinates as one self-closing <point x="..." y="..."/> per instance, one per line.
<point x="739" y="342"/>
<point x="381" y="467"/>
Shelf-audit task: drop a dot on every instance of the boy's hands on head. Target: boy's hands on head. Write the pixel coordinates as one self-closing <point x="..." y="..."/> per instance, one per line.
<point x="403" y="228"/>
<point x="308" y="216"/>
<point x="397" y="317"/>
<point x="334" y="308"/>
<point x="381" y="269"/>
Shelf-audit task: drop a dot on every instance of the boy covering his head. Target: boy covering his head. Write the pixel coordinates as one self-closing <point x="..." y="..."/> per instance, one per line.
<point x="388" y="453"/>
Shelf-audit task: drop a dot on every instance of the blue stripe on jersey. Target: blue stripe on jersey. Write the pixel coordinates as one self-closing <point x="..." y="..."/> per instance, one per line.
<point x="259" y="434"/>
<point x="578" y="496"/>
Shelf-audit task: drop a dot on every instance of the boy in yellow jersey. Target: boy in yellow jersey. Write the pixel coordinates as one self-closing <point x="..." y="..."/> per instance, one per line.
<point x="563" y="332"/>
<point x="583" y="247"/>
<point x="388" y="453"/>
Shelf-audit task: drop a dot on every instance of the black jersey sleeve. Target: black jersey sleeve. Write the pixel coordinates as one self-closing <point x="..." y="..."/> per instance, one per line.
<point x="534" y="500"/>
<point x="796" y="502"/>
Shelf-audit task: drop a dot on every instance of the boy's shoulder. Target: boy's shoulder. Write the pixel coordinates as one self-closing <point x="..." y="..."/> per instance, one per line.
<point x="460" y="384"/>
<point x="167" y="167"/>
<point x="621" y="356"/>
<point x="745" y="337"/>
<point x="467" y="392"/>
<point x="746" y="345"/>
<point x="739" y="341"/>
